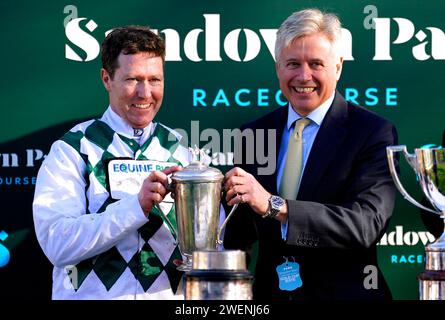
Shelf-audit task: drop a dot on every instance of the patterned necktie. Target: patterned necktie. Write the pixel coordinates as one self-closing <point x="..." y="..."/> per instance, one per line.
<point x="294" y="162"/>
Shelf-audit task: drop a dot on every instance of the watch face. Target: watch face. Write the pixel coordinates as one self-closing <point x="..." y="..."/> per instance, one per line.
<point x="276" y="202"/>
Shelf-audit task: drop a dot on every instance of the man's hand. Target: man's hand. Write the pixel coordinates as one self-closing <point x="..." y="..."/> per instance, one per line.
<point x="154" y="188"/>
<point x="242" y="187"/>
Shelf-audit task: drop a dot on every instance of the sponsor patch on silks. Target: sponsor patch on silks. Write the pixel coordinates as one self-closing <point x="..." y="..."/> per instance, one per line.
<point x="126" y="176"/>
<point x="289" y="275"/>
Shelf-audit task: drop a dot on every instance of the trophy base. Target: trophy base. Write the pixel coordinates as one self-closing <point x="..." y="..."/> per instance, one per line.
<point x="432" y="280"/>
<point x="219" y="275"/>
<point x="435" y="256"/>
<point x="432" y="285"/>
<point x="218" y="285"/>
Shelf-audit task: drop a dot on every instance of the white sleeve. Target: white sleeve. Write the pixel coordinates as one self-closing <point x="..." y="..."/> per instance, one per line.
<point x="66" y="233"/>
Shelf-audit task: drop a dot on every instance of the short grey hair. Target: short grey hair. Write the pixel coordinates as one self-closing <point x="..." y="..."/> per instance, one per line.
<point x="307" y="22"/>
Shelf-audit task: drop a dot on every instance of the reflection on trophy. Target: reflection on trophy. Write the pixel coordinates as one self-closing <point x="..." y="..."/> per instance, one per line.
<point x="429" y="166"/>
<point x="210" y="274"/>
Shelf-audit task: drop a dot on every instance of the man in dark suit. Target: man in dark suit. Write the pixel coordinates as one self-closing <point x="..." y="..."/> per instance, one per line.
<point x="316" y="237"/>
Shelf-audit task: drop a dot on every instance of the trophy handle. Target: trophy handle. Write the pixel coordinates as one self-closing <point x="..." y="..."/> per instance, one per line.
<point x="220" y="229"/>
<point x="411" y="159"/>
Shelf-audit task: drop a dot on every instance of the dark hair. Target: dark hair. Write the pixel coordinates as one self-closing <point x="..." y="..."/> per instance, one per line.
<point x="130" y="40"/>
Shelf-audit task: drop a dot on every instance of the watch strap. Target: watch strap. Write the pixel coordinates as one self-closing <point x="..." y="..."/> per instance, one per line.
<point x="271" y="212"/>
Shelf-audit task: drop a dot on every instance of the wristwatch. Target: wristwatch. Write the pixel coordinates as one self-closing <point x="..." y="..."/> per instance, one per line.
<point x="275" y="204"/>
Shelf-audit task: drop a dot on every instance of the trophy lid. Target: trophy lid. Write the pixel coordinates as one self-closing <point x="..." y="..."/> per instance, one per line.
<point x="197" y="170"/>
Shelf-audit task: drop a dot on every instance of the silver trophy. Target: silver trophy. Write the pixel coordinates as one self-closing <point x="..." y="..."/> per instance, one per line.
<point x="197" y="191"/>
<point x="429" y="166"/>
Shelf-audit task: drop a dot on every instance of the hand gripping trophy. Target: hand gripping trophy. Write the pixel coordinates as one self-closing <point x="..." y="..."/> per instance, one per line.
<point x="429" y="166"/>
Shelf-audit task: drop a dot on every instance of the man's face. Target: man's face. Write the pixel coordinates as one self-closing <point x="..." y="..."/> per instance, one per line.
<point x="308" y="71"/>
<point x="137" y="89"/>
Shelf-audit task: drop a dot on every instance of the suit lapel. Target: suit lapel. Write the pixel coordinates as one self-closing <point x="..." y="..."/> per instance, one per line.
<point x="277" y="120"/>
<point x="331" y="134"/>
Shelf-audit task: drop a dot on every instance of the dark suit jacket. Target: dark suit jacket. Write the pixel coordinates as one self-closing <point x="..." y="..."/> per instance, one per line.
<point x="342" y="209"/>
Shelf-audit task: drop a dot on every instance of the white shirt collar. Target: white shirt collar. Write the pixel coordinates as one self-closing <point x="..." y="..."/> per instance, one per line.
<point x="317" y="115"/>
<point x="120" y="126"/>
